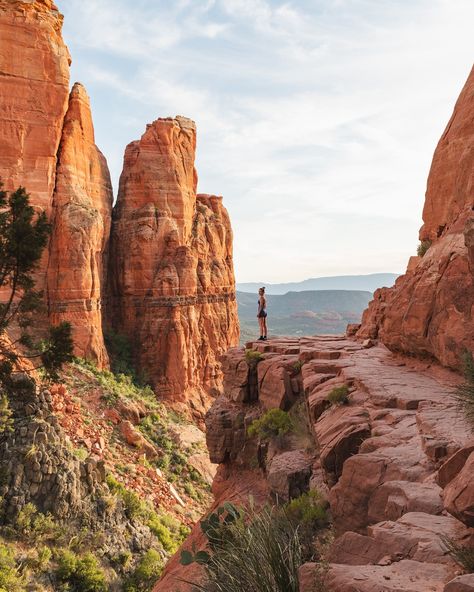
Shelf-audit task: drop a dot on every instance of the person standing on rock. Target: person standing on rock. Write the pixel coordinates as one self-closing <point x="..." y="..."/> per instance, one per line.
<point x="262" y="314"/>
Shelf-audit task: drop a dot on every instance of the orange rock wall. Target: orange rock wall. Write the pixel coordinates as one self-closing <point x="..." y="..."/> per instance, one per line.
<point x="47" y="141"/>
<point x="171" y="270"/>
<point x="172" y="282"/>
<point x="430" y="309"/>
<point x="82" y="208"/>
<point x="34" y="67"/>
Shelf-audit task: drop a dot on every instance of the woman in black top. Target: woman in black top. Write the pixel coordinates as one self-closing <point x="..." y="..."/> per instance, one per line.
<point x="262" y="314"/>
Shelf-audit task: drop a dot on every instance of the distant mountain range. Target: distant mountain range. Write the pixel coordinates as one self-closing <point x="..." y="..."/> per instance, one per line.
<point x="367" y="283"/>
<point x="303" y="313"/>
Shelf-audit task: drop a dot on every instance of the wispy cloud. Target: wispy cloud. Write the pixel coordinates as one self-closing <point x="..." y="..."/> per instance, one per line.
<point x="317" y="119"/>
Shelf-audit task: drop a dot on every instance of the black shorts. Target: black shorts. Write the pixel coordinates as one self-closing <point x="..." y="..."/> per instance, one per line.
<point x="262" y="314"/>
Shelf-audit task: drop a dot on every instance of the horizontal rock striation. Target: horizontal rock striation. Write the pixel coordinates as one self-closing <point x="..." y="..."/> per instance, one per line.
<point x="172" y="282"/>
<point x="429" y="310"/>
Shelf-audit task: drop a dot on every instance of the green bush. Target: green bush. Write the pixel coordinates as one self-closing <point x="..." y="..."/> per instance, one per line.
<point x="11" y="580"/>
<point x="462" y="554"/>
<point x="253" y="357"/>
<point x="423" y="247"/>
<point x="309" y="508"/>
<point x="146" y="573"/>
<point x="135" y="508"/>
<point x="120" y="353"/>
<point x="257" y="552"/>
<point x="6" y="419"/>
<point x="464" y="393"/>
<point x="117" y="386"/>
<point x="339" y="395"/>
<point x="298" y="365"/>
<point x="35" y="525"/>
<point x="272" y="424"/>
<point x="80" y="574"/>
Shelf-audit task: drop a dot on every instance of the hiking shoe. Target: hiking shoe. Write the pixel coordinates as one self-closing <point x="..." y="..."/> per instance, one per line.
<point x="261" y="338"/>
<point x="264" y="338"/>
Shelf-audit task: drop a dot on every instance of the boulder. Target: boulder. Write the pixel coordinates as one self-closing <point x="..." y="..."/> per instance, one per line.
<point x="459" y="493"/>
<point x="289" y="474"/>
<point x="225" y="431"/>
<point x="463" y="583"/>
<point x="339" y="434"/>
<point x="403" y="576"/>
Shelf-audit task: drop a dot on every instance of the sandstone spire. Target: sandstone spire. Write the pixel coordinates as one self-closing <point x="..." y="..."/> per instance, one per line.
<point x="173" y="289"/>
<point x="82" y="207"/>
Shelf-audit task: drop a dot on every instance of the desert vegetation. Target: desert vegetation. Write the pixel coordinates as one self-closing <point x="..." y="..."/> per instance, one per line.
<point x="423" y="247"/>
<point x="259" y="550"/>
<point x="339" y="395"/>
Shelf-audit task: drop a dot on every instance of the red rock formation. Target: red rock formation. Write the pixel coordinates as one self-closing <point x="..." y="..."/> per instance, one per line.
<point x="82" y="207"/>
<point x="55" y="158"/>
<point x="172" y="280"/>
<point x="429" y="310"/>
<point x="34" y="67"/>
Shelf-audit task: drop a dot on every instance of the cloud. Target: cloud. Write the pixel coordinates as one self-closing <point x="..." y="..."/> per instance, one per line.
<point x="317" y="119"/>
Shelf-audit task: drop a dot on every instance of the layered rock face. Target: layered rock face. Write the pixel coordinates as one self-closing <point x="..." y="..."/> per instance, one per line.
<point x="34" y="66"/>
<point x="82" y="208"/>
<point x="171" y="270"/>
<point x="48" y="147"/>
<point x="429" y="311"/>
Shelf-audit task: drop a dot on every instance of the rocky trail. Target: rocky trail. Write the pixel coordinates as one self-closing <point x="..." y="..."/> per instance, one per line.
<point x="392" y="461"/>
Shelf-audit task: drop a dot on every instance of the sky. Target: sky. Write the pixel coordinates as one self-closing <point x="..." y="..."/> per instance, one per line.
<point x="317" y="119"/>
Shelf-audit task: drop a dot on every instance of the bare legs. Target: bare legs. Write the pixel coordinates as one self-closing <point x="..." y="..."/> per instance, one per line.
<point x="262" y="323"/>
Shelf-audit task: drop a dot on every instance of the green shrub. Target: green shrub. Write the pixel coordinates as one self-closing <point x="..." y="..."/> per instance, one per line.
<point x="339" y="395"/>
<point x="146" y="573"/>
<point x="309" y="508"/>
<point x="80" y="574"/>
<point x="423" y="247"/>
<point x="298" y="365"/>
<point x="11" y="580"/>
<point x="35" y="525"/>
<point x="253" y="357"/>
<point x="168" y="530"/>
<point x="120" y="353"/>
<point x="162" y="533"/>
<point x="117" y="386"/>
<point x="250" y="551"/>
<point x="6" y="419"/>
<point x="272" y="424"/>
<point x="462" y="554"/>
<point x="464" y="393"/>
<point x="135" y="508"/>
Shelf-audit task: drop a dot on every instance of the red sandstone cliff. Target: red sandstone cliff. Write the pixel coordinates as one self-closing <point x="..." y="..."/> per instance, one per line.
<point x="82" y="208"/>
<point x="429" y="311"/>
<point x="47" y="142"/>
<point x="34" y="75"/>
<point x="171" y="270"/>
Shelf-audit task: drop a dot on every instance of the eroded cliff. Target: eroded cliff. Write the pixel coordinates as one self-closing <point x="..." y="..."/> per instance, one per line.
<point x="48" y="147"/>
<point x="429" y="310"/>
<point x="171" y="272"/>
<point x="81" y="216"/>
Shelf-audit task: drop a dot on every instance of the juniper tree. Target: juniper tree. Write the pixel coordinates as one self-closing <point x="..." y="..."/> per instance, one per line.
<point x="23" y="237"/>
